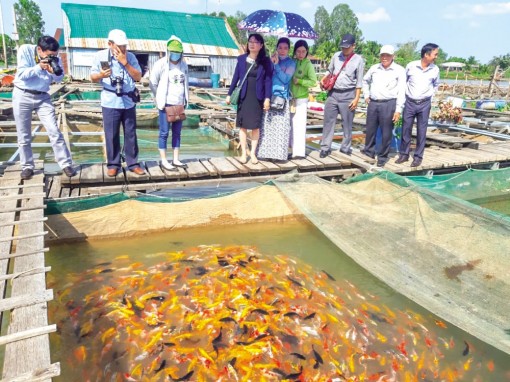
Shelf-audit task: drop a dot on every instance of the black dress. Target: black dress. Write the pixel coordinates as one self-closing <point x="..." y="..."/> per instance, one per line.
<point x="249" y="109"/>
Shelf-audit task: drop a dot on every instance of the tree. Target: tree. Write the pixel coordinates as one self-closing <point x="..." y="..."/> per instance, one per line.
<point x="240" y="35"/>
<point x="344" y="20"/>
<point x="29" y="21"/>
<point x="502" y="61"/>
<point x="10" y="46"/>
<point x="406" y="52"/>
<point x="370" y="52"/>
<point x="322" y="26"/>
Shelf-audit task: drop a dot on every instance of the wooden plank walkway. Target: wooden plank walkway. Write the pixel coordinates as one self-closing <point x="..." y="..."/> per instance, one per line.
<point x="23" y="279"/>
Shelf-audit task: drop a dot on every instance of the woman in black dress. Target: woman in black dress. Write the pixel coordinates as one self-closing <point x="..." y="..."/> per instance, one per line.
<point x="255" y="93"/>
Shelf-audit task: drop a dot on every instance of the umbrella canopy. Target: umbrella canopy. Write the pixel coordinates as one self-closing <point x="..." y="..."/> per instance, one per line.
<point x="278" y="23"/>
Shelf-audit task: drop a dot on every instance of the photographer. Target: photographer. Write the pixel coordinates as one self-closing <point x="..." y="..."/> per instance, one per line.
<point x="117" y="70"/>
<point x="38" y="67"/>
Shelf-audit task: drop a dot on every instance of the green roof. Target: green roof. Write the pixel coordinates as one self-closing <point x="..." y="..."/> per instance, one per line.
<point x="95" y="21"/>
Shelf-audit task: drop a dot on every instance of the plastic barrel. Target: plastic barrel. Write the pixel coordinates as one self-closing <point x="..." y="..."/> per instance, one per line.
<point x="395" y="140"/>
<point x="215" y="79"/>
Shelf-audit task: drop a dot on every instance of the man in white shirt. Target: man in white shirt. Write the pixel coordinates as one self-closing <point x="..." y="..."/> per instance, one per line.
<point x="422" y="83"/>
<point x="384" y="88"/>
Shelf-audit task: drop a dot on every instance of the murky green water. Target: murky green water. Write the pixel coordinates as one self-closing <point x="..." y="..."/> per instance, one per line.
<point x="301" y="241"/>
<point x="501" y="204"/>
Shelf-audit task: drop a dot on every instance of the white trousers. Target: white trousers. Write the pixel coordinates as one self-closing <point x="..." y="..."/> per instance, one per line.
<point x="298" y="124"/>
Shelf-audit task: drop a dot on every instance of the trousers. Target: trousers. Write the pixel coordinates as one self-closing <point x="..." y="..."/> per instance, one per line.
<point x="411" y="111"/>
<point x="380" y="115"/>
<point x="298" y="126"/>
<point x="338" y="103"/>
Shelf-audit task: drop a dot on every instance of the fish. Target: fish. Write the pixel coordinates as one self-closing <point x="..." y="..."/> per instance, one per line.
<point x="318" y="359"/>
<point x="228" y="319"/>
<point x="329" y="276"/>
<point x="465" y="352"/>
<point x="160" y="367"/>
<point x="295" y="375"/>
<point x="183" y="378"/>
<point x="297" y="355"/>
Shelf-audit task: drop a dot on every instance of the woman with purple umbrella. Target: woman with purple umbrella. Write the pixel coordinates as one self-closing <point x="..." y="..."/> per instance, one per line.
<point x="255" y="93"/>
<point x="274" y="139"/>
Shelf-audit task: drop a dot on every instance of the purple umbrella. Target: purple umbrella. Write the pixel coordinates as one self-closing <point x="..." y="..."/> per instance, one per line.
<point x="278" y="23"/>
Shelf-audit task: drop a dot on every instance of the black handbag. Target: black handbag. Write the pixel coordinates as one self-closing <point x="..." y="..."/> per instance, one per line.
<point x="277" y="102"/>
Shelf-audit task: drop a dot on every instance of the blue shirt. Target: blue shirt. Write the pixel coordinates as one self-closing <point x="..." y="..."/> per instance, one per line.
<point x="29" y="74"/>
<point x="108" y="98"/>
<point x="282" y="75"/>
<point x="421" y="83"/>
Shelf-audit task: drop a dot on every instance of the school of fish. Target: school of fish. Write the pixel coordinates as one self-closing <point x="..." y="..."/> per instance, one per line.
<point x="214" y="313"/>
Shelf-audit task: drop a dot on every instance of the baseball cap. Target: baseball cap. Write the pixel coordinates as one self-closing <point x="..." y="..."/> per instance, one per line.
<point x="387" y="49"/>
<point x="174" y="44"/>
<point x="347" y="41"/>
<point x="118" y="37"/>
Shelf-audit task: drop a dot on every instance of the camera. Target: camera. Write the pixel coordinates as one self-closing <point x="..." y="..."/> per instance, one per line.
<point x="117" y="82"/>
<point x="53" y="61"/>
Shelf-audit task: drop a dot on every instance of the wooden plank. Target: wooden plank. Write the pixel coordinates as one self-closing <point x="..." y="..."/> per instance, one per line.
<point x="19" y="237"/>
<point x="119" y="178"/>
<point x="174" y="174"/>
<point x="196" y="170"/>
<point x="256" y="168"/>
<point x="26" y="273"/>
<point x="154" y="170"/>
<point x="6" y="223"/>
<point x="37" y="375"/>
<point x="495" y="148"/>
<point x="27" y="334"/>
<point x="366" y="158"/>
<point x="25" y="300"/>
<point x="91" y="173"/>
<point x="271" y="166"/>
<point x="327" y="162"/>
<point x="304" y="164"/>
<point x="54" y="188"/>
<point x="241" y="167"/>
<point x="485" y="156"/>
<point x="223" y="166"/>
<point x="33" y="316"/>
<point x="64" y="179"/>
<point x="132" y="177"/>
<point x="287" y="166"/>
<point x="209" y="166"/>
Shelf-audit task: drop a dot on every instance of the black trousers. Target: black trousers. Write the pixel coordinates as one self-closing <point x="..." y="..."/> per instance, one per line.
<point x="379" y="115"/>
<point x="421" y="112"/>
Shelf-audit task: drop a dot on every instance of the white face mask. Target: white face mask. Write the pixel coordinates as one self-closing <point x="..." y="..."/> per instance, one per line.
<point x="175" y="56"/>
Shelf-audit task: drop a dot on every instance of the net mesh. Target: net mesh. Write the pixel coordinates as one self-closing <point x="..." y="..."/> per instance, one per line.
<point x="442" y="252"/>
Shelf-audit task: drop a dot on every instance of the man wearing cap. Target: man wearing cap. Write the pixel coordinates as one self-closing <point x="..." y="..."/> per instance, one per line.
<point x="344" y="96"/>
<point x="384" y="88"/>
<point x="118" y="70"/>
<point x="169" y="83"/>
<point x="422" y="78"/>
<point x="34" y="76"/>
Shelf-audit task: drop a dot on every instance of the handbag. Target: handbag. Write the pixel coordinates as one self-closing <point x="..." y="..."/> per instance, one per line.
<point x="329" y="80"/>
<point x="175" y="113"/>
<point x="277" y="102"/>
<point x="234" y="97"/>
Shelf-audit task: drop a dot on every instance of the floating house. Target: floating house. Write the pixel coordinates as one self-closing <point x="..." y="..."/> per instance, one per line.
<point x="209" y="44"/>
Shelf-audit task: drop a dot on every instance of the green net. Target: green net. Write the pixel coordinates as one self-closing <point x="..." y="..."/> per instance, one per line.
<point x="442" y="252"/>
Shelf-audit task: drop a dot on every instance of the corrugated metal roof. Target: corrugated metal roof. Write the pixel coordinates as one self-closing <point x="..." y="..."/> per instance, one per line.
<point x="197" y="61"/>
<point x="88" y="27"/>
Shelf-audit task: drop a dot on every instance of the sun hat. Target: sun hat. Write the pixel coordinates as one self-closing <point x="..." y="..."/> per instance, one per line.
<point x="118" y="37"/>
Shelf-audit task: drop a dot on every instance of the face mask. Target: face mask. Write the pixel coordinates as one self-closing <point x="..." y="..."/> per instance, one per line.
<point x="175" y="56"/>
<point x="282" y="57"/>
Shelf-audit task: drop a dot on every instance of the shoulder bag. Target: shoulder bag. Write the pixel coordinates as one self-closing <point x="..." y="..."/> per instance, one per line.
<point x="329" y="80"/>
<point x="175" y="113"/>
<point x="234" y="97"/>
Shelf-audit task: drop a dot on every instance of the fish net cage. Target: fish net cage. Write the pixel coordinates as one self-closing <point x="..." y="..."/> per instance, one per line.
<point x="419" y="237"/>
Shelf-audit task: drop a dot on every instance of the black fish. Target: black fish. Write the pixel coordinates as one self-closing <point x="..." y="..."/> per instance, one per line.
<point x="184" y="378"/>
<point x="104" y="264"/>
<point x="222" y="262"/>
<point x="279" y="372"/>
<point x="309" y="317"/>
<point x="228" y="319"/>
<point x="294" y="281"/>
<point x="232" y="276"/>
<point x="295" y="375"/>
<point x="260" y="311"/>
<point x="375" y="317"/>
<point x="318" y="359"/>
<point x="217" y="341"/>
<point x="186" y="261"/>
<point x="246" y="296"/>
<point x="251" y="258"/>
<point x="200" y="271"/>
<point x="157" y="298"/>
<point x="329" y="276"/>
<point x="242" y="263"/>
<point x="169" y="344"/>
<point x="297" y="355"/>
<point x="107" y="270"/>
<point x="466" y="349"/>
<point x="160" y="367"/>
<point x="233" y="361"/>
<point x="257" y="290"/>
<point x="291" y="314"/>
<point x="293" y="340"/>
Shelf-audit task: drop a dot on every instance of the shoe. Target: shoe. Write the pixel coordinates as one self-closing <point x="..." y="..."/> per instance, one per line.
<point x="69" y="171"/>
<point x="416" y="162"/>
<point x="324" y="153"/>
<point x="168" y="166"/>
<point x="297" y="157"/>
<point x="367" y="154"/>
<point x="138" y="170"/>
<point x="112" y="171"/>
<point x="381" y="163"/>
<point x="402" y="159"/>
<point x="346" y="152"/>
<point x="181" y="165"/>
<point x="27" y="173"/>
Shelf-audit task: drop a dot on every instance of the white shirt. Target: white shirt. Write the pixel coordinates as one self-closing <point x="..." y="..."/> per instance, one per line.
<point x="421" y="83"/>
<point x="383" y="84"/>
<point x="176" y="83"/>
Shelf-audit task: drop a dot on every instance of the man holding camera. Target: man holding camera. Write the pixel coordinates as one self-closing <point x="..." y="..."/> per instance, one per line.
<point x="117" y="70"/>
<point x="38" y="67"/>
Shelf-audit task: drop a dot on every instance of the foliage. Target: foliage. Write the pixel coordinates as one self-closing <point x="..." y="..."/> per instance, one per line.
<point x="240" y="35"/>
<point x="502" y="61"/>
<point x="370" y="52"/>
<point x="28" y="21"/>
<point x="406" y="52"/>
<point x="448" y="112"/>
<point x="10" y="46"/>
<point x="322" y="96"/>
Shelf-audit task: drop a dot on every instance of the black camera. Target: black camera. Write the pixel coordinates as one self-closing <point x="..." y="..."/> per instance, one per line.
<point x="117" y="82"/>
<point x="53" y="61"/>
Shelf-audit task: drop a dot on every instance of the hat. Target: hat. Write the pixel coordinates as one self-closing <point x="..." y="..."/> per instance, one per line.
<point x="174" y="44"/>
<point x="118" y="37"/>
<point x="387" y="49"/>
<point x="347" y="41"/>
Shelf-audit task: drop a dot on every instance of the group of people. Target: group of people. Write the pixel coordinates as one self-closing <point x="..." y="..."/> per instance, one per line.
<point x="117" y="70"/>
<point x="273" y="99"/>
<point x="272" y="104"/>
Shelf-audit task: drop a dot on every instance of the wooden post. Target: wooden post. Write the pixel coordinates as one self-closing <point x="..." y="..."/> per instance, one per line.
<point x="493" y="80"/>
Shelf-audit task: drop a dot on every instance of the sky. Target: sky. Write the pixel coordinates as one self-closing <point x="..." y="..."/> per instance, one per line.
<point x="461" y="28"/>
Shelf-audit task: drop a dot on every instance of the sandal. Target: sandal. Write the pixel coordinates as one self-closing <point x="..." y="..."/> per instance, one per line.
<point x="181" y="165"/>
<point x="168" y="168"/>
